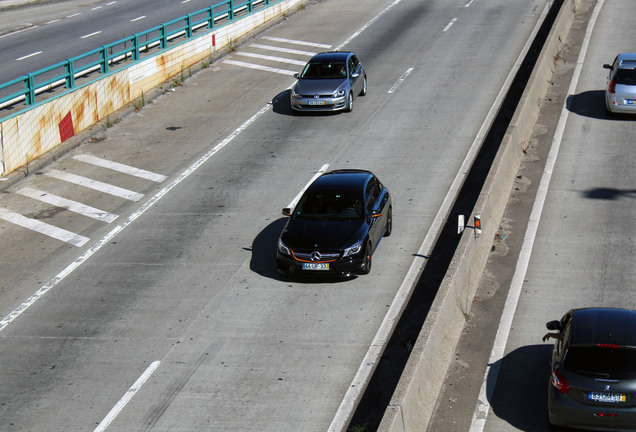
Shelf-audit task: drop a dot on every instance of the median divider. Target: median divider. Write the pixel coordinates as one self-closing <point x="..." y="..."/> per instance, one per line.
<point x="41" y="129"/>
<point x="415" y="397"/>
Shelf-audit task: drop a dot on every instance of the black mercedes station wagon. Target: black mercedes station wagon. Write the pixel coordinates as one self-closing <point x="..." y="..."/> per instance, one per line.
<point x="336" y="225"/>
<point x="593" y="381"/>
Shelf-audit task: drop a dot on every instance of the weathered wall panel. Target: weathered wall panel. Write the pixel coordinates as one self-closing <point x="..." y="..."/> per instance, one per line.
<point x="44" y="127"/>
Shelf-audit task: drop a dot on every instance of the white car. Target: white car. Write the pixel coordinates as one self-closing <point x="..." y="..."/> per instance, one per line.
<point x="620" y="93"/>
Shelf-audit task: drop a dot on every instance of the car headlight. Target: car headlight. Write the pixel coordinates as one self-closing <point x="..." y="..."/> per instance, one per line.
<point x="353" y="250"/>
<point x="294" y="92"/>
<point x="338" y="93"/>
<point x="282" y="248"/>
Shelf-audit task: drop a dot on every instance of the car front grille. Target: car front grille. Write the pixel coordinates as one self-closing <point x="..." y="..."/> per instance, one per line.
<point x="324" y="256"/>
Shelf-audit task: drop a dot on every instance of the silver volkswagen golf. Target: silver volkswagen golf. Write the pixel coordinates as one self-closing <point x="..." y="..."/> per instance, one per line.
<point x="330" y="81"/>
<point x="620" y="93"/>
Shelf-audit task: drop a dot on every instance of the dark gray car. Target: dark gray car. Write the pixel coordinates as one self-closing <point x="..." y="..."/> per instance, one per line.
<point x="593" y="381"/>
<point x="330" y="81"/>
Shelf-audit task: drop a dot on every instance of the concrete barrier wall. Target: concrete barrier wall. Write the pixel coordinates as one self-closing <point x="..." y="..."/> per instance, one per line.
<point x="36" y="131"/>
<point x="414" y="400"/>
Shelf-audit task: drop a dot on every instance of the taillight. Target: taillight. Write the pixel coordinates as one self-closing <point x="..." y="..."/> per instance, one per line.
<point x="608" y="346"/>
<point x="612" y="87"/>
<point x="559" y="383"/>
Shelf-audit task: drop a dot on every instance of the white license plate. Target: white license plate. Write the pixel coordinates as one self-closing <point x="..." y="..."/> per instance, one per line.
<point x="315" y="102"/>
<point x="606" y="397"/>
<point x="315" y="266"/>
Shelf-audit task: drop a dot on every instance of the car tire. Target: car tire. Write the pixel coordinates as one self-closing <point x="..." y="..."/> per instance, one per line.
<point x="367" y="259"/>
<point x="364" y="87"/>
<point x="349" y="103"/>
<point x="389" y="223"/>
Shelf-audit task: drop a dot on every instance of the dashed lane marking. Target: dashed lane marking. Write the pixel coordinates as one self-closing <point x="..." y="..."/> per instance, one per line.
<point x="296" y="42"/>
<point x="95" y="185"/>
<point x="260" y="67"/>
<point x="282" y="49"/>
<point x="116" y="166"/>
<point x="43" y="228"/>
<point x="71" y="205"/>
<point x="272" y="58"/>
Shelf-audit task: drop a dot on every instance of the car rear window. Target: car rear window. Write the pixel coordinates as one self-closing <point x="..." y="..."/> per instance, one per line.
<point x="601" y="361"/>
<point x="625" y="76"/>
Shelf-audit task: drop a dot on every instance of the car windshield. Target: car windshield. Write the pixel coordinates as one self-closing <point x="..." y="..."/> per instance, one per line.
<point x="601" y="361"/>
<point x="329" y="205"/>
<point x="625" y="76"/>
<point x="324" y="70"/>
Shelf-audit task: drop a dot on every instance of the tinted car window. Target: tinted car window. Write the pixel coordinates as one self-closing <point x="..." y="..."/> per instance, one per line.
<point x="326" y="70"/>
<point x="625" y="76"/>
<point x="330" y="205"/>
<point x="601" y="361"/>
<point x="372" y="193"/>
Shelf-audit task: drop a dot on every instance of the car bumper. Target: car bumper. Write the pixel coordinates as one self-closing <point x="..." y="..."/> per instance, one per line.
<point x="563" y="411"/>
<point x="620" y="105"/>
<point x="341" y="268"/>
<point x="320" y="104"/>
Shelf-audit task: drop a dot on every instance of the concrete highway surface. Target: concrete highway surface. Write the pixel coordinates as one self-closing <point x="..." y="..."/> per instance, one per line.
<point x="577" y="187"/>
<point x="138" y="288"/>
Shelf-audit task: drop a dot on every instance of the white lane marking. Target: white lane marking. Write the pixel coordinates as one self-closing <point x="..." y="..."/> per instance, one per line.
<point x="449" y="24"/>
<point x="127" y="397"/>
<point x="71" y="205"/>
<point x="111" y="235"/>
<point x="185" y="1"/>
<point x="53" y="21"/>
<point x="259" y="67"/>
<point x="469" y="3"/>
<point x="111" y="3"/>
<point x="119" y="167"/>
<point x="138" y="18"/>
<point x="489" y="382"/>
<point x="43" y="228"/>
<point x="18" y="31"/>
<point x="74" y="15"/>
<point x="272" y="58"/>
<point x="296" y="42"/>
<point x="402" y="78"/>
<point x="29" y="55"/>
<point x="293" y="203"/>
<point x="285" y="50"/>
<point x="97" y="7"/>
<point x="95" y="185"/>
<point x="90" y="34"/>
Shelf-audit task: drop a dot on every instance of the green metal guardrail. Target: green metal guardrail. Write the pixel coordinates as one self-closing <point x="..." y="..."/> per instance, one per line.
<point x="103" y="59"/>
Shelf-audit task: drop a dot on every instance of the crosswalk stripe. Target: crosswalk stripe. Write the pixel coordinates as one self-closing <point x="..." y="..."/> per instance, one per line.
<point x="285" y="50"/>
<point x="260" y="67"/>
<point x="297" y="42"/>
<point x="116" y="166"/>
<point x="43" y="228"/>
<point x="73" y="206"/>
<point x="272" y="58"/>
<point x="96" y="185"/>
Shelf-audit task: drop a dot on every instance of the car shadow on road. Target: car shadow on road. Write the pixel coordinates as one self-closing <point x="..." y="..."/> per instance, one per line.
<point x="521" y="393"/>
<point x="592" y="104"/>
<point x="263" y="259"/>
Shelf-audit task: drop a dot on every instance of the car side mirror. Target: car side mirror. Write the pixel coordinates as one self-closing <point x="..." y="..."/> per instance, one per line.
<point x="376" y="213"/>
<point x="607" y="66"/>
<point x="554" y="325"/>
<point x="287" y="211"/>
<point x="296" y="75"/>
<point x="355" y="75"/>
